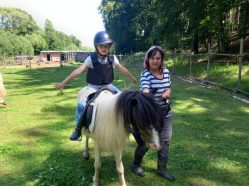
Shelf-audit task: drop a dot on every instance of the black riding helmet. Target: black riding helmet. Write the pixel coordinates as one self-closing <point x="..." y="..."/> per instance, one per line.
<point x="102" y="38"/>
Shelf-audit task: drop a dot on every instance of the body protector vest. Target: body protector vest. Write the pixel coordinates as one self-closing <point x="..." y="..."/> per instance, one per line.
<point x="100" y="74"/>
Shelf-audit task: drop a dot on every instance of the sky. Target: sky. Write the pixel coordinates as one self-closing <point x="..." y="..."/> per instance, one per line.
<point x="72" y="17"/>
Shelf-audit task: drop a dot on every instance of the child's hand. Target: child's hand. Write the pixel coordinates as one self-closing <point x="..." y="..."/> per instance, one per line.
<point x="134" y="80"/>
<point x="59" y="86"/>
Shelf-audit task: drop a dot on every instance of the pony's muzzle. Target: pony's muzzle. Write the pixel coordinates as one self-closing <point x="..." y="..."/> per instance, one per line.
<point x="154" y="143"/>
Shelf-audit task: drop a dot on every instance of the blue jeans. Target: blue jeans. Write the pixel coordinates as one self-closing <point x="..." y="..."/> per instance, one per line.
<point x="81" y="103"/>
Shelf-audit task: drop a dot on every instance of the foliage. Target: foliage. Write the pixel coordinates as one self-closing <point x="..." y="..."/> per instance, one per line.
<point x="58" y="40"/>
<point x="243" y="19"/>
<point x="137" y="24"/>
<point x="27" y="38"/>
<point x="17" y="21"/>
<point x="11" y="44"/>
<point x="37" y="41"/>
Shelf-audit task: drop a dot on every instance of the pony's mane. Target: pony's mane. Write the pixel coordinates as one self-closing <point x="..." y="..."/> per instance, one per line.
<point x="139" y="109"/>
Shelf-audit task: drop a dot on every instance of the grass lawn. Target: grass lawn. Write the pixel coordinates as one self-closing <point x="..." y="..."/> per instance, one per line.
<point x="209" y="146"/>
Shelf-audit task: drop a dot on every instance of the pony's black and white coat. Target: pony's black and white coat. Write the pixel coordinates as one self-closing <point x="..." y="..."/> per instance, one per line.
<point x="114" y="115"/>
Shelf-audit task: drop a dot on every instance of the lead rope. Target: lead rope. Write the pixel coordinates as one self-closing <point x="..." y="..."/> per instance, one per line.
<point x="129" y="87"/>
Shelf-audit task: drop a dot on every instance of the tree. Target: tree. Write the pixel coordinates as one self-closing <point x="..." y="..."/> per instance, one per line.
<point x="17" y="21"/>
<point x="11" y="44"/>
<point x="5" y="45"/>
<point x="243" y="19"/>
<point x="58" y="40"/>
<point x="37" y="41"/>
<point x="75" y="41"/>
<point x="137" y="24"/>
<point x="120" y="21"/>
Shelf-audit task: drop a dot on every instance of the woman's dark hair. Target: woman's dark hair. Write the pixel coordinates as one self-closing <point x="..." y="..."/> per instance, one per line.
<point x="150" y="53"/>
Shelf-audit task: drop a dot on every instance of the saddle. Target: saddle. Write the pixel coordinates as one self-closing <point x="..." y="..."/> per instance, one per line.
<point x="86" y="116"/>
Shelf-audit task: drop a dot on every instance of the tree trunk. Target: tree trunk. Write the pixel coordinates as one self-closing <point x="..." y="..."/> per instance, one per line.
<point x="223" y="37"/>
<point x="195" y="48"/>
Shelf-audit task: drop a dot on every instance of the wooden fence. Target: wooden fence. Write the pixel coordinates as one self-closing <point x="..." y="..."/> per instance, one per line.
<point x="215" y="69"/>
<point x="27" y="61"/>
<point x="230" y="71"/>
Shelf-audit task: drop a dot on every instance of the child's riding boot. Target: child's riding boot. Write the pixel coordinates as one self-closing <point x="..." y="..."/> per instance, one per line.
<point x="162" y="161"/>
<point x="138" y="156"/>
<point x="76" y="134"/>
<point x="84" y="120"/>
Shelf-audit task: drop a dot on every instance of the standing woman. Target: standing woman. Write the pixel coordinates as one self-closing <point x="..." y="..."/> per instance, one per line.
<point x="2" y="91"/>
<point x="155" y="79"/>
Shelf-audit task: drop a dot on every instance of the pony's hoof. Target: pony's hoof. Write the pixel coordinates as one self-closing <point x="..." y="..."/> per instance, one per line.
<point x="3" y="103"/>
<point x="86" y="156"/>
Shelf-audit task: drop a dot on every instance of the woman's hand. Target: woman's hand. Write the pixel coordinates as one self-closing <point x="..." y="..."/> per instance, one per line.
<point x="166" y="94"/>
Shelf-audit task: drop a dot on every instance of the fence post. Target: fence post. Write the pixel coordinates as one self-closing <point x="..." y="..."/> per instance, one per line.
<point x="174" y="61"/>
<point x="13" y="60"/>
<point x="4" y="60"/>
<point x="240" y="62"/>
<point x="190" y="66"/>
<point x="29" y="60"/>
<point x="60" y="63"/>
<point x="120" y="57"/>
<point x="208" y="63"/>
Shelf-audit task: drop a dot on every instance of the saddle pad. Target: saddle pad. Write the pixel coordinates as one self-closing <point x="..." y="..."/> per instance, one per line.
<point x="91" y="126"/>
<point x="101" y="97"/>
<point x="84" y="93"/>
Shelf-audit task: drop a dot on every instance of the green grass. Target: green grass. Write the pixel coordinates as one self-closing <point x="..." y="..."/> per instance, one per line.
<point x="209" y="145"/>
